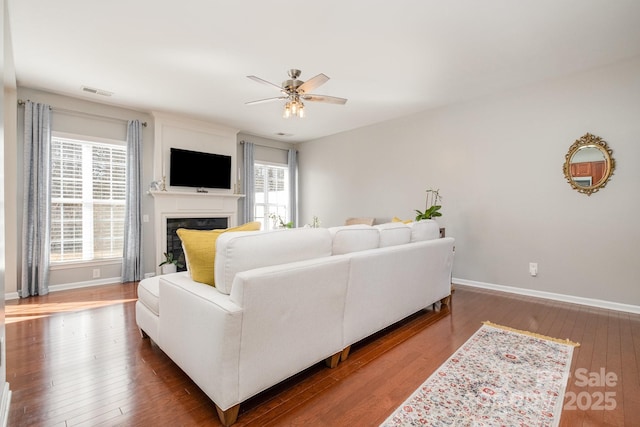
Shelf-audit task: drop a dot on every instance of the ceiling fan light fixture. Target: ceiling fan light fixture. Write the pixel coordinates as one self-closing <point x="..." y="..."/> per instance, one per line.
<point x="294" y="107"/>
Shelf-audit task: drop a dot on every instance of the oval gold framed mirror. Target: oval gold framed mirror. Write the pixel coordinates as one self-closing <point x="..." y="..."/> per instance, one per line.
<point x="588" y="164"/>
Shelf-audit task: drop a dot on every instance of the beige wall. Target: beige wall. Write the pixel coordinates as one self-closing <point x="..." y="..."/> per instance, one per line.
<point x="498" y="164"/>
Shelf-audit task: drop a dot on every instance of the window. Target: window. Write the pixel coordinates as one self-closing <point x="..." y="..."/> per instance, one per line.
<point x="272" y="194"/>
<point x="87" y="199"/>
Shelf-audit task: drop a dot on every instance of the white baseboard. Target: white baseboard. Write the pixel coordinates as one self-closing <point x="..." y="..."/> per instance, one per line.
<point x="11" y="295"/>
<point x="67" y="286"/>
<point x="5" y="402"/>
<point x="609" y="305"/>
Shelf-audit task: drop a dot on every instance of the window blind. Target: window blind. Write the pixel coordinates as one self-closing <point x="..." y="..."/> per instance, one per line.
<point x="87" y="200"/>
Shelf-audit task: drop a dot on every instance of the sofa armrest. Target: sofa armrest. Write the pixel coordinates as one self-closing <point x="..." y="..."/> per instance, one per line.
<point x="200" y="331"/>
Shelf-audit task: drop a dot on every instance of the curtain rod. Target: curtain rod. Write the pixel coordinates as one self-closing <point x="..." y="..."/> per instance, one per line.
<point x="82" y="113"/>
<point x="266" y="146"/>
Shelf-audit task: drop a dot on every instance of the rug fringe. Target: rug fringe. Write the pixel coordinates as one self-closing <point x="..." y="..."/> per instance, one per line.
<point x="532" y="334"/>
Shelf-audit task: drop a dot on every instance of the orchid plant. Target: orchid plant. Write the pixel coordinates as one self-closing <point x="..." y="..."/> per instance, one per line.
<point x="168" y="259"/>
<point x="432" y="205"/>
<point x="278" y="222"/>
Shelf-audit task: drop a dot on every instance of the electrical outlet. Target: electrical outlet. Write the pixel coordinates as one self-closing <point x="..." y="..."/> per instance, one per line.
<point x="96" y="273"/>
<point x="533" y="269"/>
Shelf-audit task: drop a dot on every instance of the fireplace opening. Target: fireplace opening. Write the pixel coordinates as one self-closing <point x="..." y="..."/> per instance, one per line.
<point x="174" y="245"/>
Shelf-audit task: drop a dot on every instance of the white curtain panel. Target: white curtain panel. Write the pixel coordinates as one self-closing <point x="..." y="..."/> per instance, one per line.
<point x="293" y="183"/>
<point x="132" y="251"/>
<point x="36" y="238"/>
<point x="247" y="212"/>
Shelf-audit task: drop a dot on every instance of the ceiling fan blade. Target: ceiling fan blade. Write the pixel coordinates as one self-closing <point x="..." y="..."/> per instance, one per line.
<point x="312" y="83"/>
<point x="260" y="101"/>
<point x="324" y="98"/>
<point x="263" y="81"/>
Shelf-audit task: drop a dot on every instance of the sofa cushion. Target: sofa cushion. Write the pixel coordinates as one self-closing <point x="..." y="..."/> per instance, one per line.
<point x="199" y="248"/>
<point x="425" y="229"/>
<point x="148" y="294"/>
<point x="394" y="233"/>
<point x="148" y="291"/>
<point x="354" y="238"/>
<point x="237" y="252"/>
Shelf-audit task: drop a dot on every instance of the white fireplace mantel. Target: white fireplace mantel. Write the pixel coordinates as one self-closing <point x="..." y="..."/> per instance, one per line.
<point x="183" y="204"/>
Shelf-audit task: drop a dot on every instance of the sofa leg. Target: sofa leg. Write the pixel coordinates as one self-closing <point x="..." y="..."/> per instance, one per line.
<point x="230" y="416"/>
<point x="332" y="361"/>
<point x="345" y="354"/>
<point x="446" y="300"/>
<point x="143" y="334"/>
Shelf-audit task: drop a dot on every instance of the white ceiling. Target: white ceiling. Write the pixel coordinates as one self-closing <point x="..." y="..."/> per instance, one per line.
<point x="389" y="58"/>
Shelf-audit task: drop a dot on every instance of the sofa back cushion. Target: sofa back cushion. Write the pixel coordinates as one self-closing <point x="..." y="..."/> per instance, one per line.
<point x="425" y="229"/>
<point x="354" y="238"/>
<point x="394" y="233"/>
<point x="242" y="251"/>
<point x="199" y="248"/>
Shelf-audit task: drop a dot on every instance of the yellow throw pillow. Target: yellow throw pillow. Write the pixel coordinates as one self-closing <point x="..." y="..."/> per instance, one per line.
<point x="200" y="250"/>
<point x="405" y="221"/>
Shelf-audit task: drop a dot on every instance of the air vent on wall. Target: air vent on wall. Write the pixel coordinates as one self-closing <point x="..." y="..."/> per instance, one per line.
<point x="97" y="91"/>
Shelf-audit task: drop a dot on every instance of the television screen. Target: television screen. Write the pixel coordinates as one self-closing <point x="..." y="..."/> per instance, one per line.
<point x="197" y="169"/>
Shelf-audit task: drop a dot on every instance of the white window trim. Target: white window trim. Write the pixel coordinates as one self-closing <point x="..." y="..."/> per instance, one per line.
<point x="69" y="265"/>
<point x="88" y="138"/>
<point x="260" y="162"/>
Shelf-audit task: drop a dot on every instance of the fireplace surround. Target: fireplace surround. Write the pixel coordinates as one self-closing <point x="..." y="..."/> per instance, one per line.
<point x="198" y="210"/>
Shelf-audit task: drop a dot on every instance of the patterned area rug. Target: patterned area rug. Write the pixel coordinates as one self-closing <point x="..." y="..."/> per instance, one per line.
<point x="500" y="376"/>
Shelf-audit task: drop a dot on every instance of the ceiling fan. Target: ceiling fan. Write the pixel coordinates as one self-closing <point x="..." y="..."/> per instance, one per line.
<point x="296" y="91"/>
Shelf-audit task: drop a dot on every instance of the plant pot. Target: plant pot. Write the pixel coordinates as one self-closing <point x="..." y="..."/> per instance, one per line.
<point x="169" y="268"/>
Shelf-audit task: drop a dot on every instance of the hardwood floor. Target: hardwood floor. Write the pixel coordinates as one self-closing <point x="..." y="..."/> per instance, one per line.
<point x="75" y="358"/>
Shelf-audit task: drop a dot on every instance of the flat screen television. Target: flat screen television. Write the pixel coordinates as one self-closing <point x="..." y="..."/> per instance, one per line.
<point x="197" y="169"/>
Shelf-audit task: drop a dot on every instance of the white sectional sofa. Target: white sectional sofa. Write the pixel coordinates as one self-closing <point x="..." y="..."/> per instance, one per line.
<point x="285" y="300"/>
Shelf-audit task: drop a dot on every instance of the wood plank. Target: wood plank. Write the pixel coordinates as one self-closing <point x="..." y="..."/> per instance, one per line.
<point x="630" y="349"/>
<point x="610" y="376"/>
